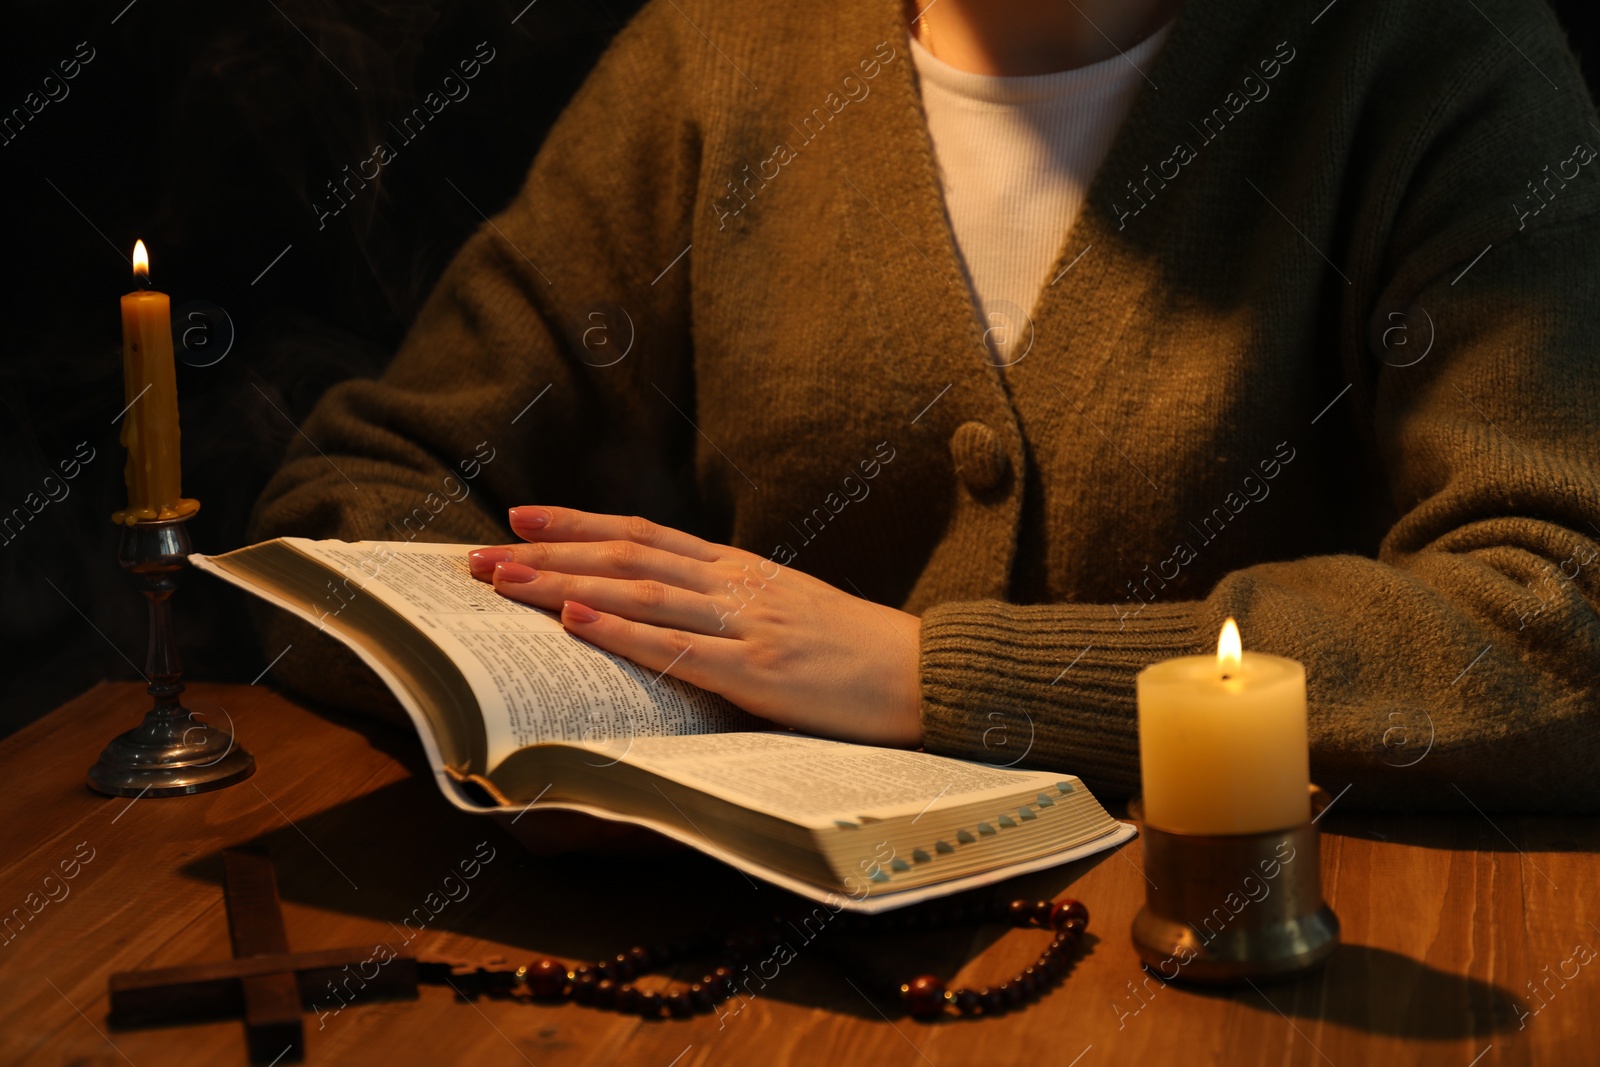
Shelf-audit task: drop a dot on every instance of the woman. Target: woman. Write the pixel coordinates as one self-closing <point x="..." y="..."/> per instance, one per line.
<point x="1309" y="344"/>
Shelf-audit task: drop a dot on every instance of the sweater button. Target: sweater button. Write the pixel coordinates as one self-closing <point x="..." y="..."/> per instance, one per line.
<point x="981" y="461"/>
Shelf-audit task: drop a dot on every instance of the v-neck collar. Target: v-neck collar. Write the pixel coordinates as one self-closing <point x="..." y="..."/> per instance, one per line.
<point x="891" y="163"/>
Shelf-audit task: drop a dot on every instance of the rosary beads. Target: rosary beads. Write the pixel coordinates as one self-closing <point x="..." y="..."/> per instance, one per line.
<point x="609" y="983"/>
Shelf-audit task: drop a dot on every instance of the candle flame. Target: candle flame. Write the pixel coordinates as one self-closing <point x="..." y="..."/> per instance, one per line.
<point x="141" y="262"/>
<point x="1230" y="650"/>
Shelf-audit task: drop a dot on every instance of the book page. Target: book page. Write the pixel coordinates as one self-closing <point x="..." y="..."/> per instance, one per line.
<point x="816" y="781"/>
<point x="534" y="681"/>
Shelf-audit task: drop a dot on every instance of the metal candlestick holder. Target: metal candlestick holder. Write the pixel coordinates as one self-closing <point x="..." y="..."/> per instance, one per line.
<point x="1226" y="909"/>
<point x="171" y="753"/>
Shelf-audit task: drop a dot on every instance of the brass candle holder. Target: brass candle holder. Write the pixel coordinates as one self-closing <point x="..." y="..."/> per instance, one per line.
<point x="1227" y="909"/>
<point x="171" y="753"/>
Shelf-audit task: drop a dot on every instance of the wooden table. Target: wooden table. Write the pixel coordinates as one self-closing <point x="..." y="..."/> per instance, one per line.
<point x="1456" y="930"/>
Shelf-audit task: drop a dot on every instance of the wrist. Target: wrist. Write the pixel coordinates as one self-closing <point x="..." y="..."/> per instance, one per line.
<point x="904" y="725"/>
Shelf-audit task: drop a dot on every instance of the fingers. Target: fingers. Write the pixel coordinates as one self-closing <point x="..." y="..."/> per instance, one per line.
<point x="600" y="559"/>
<point x="649" y="601"/>
<point x="566" y="524"/>
<point x="708" y="662"/>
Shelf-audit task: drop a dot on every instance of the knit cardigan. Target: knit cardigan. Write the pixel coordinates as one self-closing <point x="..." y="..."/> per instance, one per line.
<point x="1319" y="354"/>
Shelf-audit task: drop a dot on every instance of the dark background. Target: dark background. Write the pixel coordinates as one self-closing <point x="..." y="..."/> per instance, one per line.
<point x="208" y="130"/>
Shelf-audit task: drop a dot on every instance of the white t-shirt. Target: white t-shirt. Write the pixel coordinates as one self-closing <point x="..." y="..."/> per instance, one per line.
<point x="1015" y="157"/>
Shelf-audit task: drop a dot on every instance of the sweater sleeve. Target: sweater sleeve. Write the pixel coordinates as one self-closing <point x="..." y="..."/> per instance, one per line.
<point x="1458" y="668"/>
<point x="526" y="377"/>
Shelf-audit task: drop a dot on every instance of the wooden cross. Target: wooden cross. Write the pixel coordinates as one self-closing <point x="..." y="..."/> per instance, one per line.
<point x="264" y="982"/>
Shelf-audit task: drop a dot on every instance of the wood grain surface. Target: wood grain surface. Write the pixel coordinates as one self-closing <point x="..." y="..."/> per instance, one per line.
<point x="1468" y="940"/>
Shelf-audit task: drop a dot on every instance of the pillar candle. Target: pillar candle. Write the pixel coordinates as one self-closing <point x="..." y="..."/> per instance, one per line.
<point x="1222" y="741"/>
<point x="150" y="390"/>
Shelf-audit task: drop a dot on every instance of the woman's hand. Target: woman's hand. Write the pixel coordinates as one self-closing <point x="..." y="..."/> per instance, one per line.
<point x="779" y="643"/>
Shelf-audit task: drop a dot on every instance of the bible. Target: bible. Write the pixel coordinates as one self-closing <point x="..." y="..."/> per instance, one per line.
<point x="515" y="713"/>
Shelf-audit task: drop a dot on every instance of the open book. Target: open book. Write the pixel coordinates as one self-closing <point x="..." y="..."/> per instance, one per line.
<point x="514" y="711"/>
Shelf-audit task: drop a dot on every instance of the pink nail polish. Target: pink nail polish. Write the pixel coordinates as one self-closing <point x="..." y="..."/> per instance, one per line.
<point x="482" y="560"/>
<point x="530" y="518"/>
<point x="573" y="611"/>
<point x="514" y="573"/>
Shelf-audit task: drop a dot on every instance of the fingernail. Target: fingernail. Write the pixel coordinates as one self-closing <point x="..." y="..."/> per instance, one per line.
<point x="530" y="518"/>
<point x="482" y="560"/>
<point x="515" y="573"/>
<point x="573" y="611"/>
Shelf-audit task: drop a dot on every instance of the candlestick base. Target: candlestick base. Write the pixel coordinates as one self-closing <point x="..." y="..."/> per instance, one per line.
<point x="1226" y="909"/>
<point x="171" y="753"/>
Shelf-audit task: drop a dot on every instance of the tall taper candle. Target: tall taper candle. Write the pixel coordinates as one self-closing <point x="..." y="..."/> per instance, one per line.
<point x="150" y="390"/>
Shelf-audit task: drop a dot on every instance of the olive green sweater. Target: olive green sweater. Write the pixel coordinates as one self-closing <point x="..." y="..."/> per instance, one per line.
<point x="1320" y="354"/>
